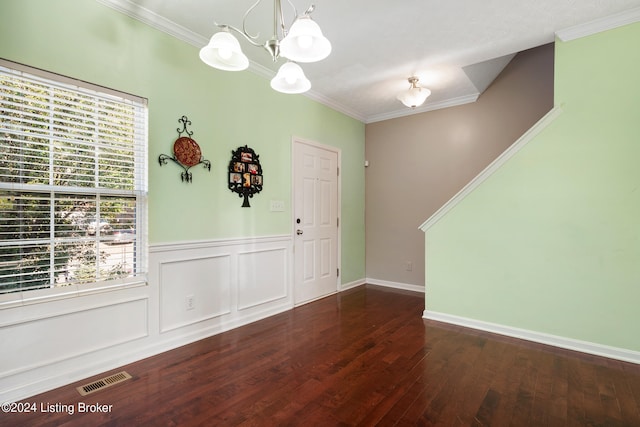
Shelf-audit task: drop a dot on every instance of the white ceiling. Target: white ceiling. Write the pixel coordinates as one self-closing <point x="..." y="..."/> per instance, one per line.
<point x="456" y="47"/>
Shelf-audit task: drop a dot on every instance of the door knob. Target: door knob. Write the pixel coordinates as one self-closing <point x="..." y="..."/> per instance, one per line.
<point x="299" y="232"/>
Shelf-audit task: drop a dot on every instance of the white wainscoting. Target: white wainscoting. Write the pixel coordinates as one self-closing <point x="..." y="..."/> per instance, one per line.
<point x="262" y="278"/>
<point x="229" y="282"/>
<point x="195" y="290"/>
<point x="64" y="335"/>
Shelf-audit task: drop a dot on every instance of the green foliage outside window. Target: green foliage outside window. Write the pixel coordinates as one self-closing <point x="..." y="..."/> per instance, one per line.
<point x="67" y="182"/>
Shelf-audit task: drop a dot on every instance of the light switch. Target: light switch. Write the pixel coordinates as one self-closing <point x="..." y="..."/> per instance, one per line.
<point x="277" y="206"/>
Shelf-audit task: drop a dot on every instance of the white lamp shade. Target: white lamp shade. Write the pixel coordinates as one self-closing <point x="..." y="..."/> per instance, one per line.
<point x="414" y="97"/>
<point x="224" y="52"/>
<point x="290" y="79"/>
<point x="305" y="42"/>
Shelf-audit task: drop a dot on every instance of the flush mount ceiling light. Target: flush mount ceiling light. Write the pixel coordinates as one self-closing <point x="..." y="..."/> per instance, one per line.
<point x="302" y="42"/>
<point x="415" y="96"/>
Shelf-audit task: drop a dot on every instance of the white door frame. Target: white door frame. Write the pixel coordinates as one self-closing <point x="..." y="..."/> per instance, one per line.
<point x="297" y="140"/>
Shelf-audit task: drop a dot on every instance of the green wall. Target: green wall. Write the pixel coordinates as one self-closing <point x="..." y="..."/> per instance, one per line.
<point x="89" y="41"/>
<point x="551" y="241"/>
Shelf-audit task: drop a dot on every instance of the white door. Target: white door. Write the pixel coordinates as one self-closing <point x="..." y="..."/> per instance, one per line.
<point x="315" y="216"/>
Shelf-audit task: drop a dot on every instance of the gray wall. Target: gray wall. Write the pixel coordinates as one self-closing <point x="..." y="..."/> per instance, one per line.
<point x="417" y="163"/>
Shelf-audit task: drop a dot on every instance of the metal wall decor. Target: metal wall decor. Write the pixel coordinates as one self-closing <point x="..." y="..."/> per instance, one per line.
<point x="245" y="174"/>
<point x="186" y="152"/>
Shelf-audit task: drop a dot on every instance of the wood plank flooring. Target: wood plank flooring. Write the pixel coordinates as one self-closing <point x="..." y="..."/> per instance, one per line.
<point x="364" y="357"/>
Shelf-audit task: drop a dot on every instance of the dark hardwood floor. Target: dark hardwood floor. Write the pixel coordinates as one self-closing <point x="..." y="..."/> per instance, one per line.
<point x="361" y="358"/>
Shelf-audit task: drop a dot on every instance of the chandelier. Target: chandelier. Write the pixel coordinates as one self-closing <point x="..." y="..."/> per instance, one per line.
<point x="302" y="42"/>
<point x="415" y="95"/>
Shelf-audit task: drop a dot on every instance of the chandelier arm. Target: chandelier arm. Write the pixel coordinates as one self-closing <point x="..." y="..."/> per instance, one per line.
<point x="295" y="16"/>
<point x="249" y="38"/>
<point x="244" y="26"/>
<point x="278" y="16"/>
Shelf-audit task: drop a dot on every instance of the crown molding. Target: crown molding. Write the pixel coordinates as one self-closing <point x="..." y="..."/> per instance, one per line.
<point x="169" y="27"/>
<point x="453" y="102"/>
<point x="334" y="105"/>
<point x="268" y="74"/>
<point x="156" y="21"/>
<point x="599" y="25"/>
<point x="160" y="23"/>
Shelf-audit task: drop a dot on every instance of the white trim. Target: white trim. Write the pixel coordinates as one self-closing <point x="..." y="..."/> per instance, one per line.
<point x="396" y="285"/>
<point x="69" y="311"/>
<point x="44" y="375"/>
<point x="166" y="26"/>
<point x="78" y="353"/>
<point x="181" y="33"/>
<point x="287" y="273"/>
<point x="163" y="24"/>
<point x="47" y="295"/>
<point x="354" y="284"/>
<point x="99" y="365"/>
<point x="305" y="302"/>
<point x="156" y="21"/>
<point x="201" y="244"/>
<point x="211" y="315"/>
<point x="599" y="25"/>
<point x="324" y="100"/>
<point x="267" y="73"/>
<point x="493" y="167"/>
<point x="453" y="102"/>
<point x="539" y="337"/>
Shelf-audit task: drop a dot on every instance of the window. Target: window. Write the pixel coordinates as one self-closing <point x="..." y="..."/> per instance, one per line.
<point x="73" y="184"/>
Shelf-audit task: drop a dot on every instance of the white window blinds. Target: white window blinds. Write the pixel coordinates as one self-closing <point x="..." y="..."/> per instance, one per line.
<point x="73" y="183"/>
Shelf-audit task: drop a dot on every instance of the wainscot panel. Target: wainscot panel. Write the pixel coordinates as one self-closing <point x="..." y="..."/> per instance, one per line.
<point x="195" y="290"/>
<point x="66" y="335"/>
<point x="221" y="284"/>
<point x="262" y="277"/>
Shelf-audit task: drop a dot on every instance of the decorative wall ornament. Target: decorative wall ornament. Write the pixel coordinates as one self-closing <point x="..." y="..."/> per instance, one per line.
<point x="186" y="152"/>
<point x="245" y="174"/>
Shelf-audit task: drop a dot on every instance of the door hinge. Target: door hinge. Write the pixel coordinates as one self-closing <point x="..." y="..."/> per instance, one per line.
<point x="338" y="222"/>
<point x="338" y="171"/>
<point x="337" y="272"/>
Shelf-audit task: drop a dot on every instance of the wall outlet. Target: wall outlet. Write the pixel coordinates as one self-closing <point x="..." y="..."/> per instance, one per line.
<point x="189" y="303"/>
<point x="408" y="266"/>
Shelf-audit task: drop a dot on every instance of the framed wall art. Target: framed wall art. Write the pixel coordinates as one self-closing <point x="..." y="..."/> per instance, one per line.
<point x="245" y="174"/>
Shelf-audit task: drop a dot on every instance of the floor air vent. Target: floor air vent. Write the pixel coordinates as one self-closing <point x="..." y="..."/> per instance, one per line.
<point x="103" y="383"/>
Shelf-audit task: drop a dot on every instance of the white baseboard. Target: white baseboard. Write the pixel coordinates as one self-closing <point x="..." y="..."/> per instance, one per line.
<point x="353" y="284"/>
<point x="396" y="285"/>
<point x="217" y="274"/>
<point x="539" y="337"/>
<point x="85" y="370"/>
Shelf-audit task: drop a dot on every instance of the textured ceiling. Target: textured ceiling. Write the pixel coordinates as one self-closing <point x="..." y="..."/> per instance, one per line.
<point x="456" y="48"/>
